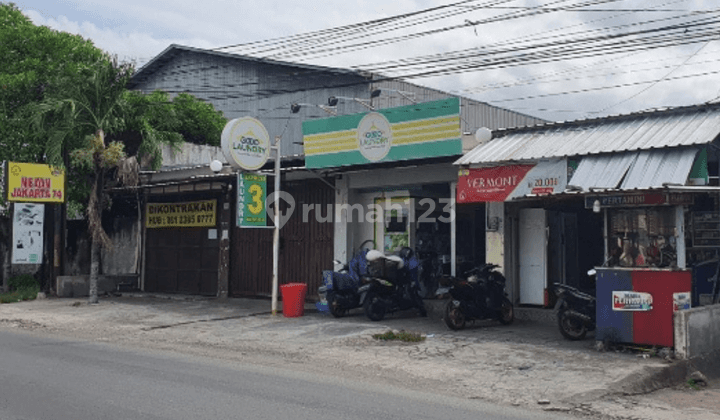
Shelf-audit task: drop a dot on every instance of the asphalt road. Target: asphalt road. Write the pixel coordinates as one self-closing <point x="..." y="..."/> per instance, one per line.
<point x="44" y="378"/>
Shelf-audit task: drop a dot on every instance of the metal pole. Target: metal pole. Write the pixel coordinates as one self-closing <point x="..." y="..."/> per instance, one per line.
<point x="276" y="231"/>
<point x="453" y="231"/>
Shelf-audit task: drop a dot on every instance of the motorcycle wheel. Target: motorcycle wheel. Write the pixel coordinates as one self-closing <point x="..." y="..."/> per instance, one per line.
<point x="374" y="308"/>
<point x="570" y="328"/>
<point x="335" y="309"/>
<point x="454" y="317"/>
<point x="507" y="312"/>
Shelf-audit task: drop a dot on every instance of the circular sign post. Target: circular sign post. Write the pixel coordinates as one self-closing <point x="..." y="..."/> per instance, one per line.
<point x="245" y="143"/>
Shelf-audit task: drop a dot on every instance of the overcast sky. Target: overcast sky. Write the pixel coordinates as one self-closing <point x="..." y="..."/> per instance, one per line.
<point x="565" y="88"/>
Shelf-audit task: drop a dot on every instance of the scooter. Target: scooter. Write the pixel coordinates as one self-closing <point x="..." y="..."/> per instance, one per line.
<point x="481" y="295"/>
<point x="341" y="290"/>
<point x="575" y="311"/>
<point x="392" y="284"/>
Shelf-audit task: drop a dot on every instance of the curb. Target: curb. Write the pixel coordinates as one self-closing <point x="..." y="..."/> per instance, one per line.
<point x="677" y="373"/>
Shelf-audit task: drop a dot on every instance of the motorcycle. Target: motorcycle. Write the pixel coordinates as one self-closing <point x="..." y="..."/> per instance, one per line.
<point x="341" y="290"/>
<point x="575" y="311"/>
<point x="392" y="284"/>
<point x="481" y="295"/>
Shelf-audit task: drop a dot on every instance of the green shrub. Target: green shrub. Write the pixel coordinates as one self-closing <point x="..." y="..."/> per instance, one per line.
<point x="9" y="297"/>
<point x="407" y="337"/>
<point x="23" y="282"/>
<point x="22" y="287"/>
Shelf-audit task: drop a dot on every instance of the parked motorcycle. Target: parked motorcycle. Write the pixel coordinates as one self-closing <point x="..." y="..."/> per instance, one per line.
<point x="342" y="290"/>
<point x="575" y="311"/>
<point x="480" y="295"/>
<point x="392" y="284"/>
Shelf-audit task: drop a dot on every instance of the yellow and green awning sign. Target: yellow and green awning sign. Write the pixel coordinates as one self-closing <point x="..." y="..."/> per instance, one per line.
<point x="430" y="129"/>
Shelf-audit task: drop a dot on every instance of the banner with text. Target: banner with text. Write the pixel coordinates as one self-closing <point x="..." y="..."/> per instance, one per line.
<point x="252" y="191"/>
<point x="418" y="131"/>
<point x="34" y="182"/>
<point x="504" y="183"/>
<point x="28" y="233"/>
<point x="189" y="214"/>
<point x="631" y="301"/>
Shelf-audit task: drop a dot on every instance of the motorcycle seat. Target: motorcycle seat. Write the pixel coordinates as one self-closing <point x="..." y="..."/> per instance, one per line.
<point x="574" y="291"/>
<point x="374" y="255"/>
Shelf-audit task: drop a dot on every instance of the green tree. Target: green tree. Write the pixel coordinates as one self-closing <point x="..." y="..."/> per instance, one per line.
<point x="95" y="120"/>
<point x="83" y="117"/>
<point x="184" y="118"/>
<point x="33" y="58"/>
<point x="75" y="119"/>
<point x="198" y="122"/>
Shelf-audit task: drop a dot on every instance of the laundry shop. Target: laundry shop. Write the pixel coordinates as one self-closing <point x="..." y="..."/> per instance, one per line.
<point x="634" y="196"/>
<point x="395" y="183"/>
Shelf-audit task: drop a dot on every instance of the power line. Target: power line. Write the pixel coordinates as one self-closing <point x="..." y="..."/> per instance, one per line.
<point x="697" y="26"/>
<point x="655" y="82"/>
<point x="621" y="85"/>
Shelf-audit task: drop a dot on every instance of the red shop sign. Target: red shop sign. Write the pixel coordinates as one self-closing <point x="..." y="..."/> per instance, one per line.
<point x="489" y="184"/>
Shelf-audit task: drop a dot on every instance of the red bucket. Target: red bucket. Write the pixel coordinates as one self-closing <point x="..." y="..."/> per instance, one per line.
<point x="293" y="299"/>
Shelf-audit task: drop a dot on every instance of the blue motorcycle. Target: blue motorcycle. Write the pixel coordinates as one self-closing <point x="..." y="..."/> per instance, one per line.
<point x="342" y="290"/>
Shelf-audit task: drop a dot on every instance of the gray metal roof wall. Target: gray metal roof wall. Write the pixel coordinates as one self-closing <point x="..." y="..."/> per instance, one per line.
<point x="653" y="168"/>
<point x="606" y="171"/>
<point x="636" y="170"/>
<point x="646" y="131"/>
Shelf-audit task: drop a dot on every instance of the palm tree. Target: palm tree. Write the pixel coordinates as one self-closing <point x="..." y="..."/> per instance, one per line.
<point x="75" y="120"/>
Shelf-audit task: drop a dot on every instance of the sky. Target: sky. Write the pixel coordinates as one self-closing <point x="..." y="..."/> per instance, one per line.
<point x="559" y="60"/>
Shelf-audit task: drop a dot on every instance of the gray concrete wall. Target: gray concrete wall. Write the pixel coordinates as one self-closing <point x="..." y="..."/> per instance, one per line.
<point x="697" y="331"/>
<point x="77" y="248"/>
<point x="79" y="286"/>
<point x="124" y="256"/>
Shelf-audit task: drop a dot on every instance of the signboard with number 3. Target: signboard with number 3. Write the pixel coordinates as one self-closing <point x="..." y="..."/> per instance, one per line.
<point x="252" y="191"/>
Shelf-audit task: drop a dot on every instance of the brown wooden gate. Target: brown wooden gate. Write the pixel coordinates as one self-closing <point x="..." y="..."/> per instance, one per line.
<point x="182" y="260"/>
<point x="306" y="247"/>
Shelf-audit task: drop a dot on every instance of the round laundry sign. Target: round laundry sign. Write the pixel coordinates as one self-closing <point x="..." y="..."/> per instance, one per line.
<point x="246" y="143"/>
<point x="374" y="136"/>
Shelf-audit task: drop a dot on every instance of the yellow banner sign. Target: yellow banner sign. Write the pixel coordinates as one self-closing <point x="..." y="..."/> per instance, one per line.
<point x="34" y="182"/>
<point x="190" y="214"/>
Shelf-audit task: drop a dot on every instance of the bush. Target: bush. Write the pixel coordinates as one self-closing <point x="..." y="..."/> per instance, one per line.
<point x="22" y="287"/>
<point x="23" y="282"/>
<point x="407" y="337"/>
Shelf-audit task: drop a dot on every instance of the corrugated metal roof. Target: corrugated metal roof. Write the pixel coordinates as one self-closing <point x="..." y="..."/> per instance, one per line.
<point x="173" y="49"/>
<point x="633" y="132"/>
<point x="653" y="168"/>
<point x="636" y="170"/>
<point x="604" y="171"/>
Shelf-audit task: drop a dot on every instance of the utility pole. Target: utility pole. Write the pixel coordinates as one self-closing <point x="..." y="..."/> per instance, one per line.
<point x="276" y="231"/>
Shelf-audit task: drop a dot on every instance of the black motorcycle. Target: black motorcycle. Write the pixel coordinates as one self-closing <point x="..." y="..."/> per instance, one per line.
<point x="575" y="311"/>
<point x="342" y="290"/>
<point x="479" y="295"/>
<point x="392" y="284"/>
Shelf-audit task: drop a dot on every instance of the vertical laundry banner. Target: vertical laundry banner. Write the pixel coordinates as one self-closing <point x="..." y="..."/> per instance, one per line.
<point x="27" y="245"/>
<point x="252" y="193"/>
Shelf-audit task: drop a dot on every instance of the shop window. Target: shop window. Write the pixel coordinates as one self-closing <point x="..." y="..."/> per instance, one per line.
<point x="642" y="238"/>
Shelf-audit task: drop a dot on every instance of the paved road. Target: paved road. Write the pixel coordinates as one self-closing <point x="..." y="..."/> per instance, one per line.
<point x="42" y="378"/>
